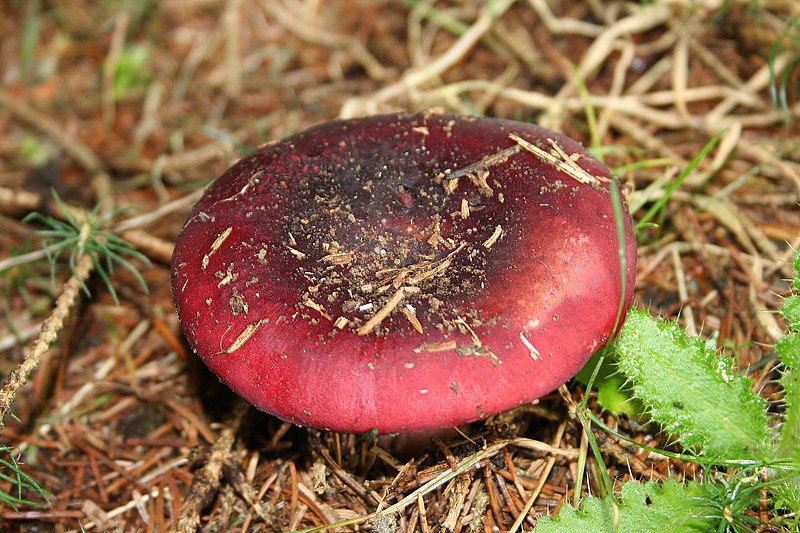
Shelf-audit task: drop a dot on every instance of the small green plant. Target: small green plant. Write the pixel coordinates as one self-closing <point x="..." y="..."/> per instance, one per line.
<point x="85" y="239"/>
<point x="130" y="70"/>
<point x="33" y="152"/>
<point x="641" y="508"/>
<point x="89" y="236"/>
<point x="10" y="471"/>
<point x="659" y="207"/>
<point x="712" y="411"/>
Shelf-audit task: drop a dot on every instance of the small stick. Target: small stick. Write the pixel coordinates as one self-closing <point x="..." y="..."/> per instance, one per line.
<point x="208" y="479"/>
<point x="50" y="328"/>
<point x="559" y="160"/>
<point x="551" y="461"/>
<point x="384" y="311"/>
<point x="423" y="515"/>
<point x="488" y="161"/>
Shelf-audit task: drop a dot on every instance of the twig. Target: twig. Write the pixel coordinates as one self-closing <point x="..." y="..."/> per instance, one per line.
<point x="542" y="480"/>
<point x="232" y="20"/>
<point x="207" y="480"/>
<point x="559" y="160"/>
<point x="301" y="23"/>
<point x="50" y="328"/>
<point x="415" y="78"/>
<point x="133" y="503"/>
<point x="384" y="311"/>
<point x="465" y="465"/>
<point x="17" y="201"/>
<point x="603" y="45"/>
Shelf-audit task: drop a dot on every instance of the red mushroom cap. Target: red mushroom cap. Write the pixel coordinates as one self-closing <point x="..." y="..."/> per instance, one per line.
<point x="403" y="272"/>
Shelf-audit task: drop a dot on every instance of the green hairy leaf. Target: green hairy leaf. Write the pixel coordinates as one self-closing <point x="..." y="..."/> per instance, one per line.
<point x="796" y="265"/>
<point x="694" y="393"/>
<point x="789" y="349"/>
<point x="12" y="474"/>
<point x="643" y="508"/>
<point x="791" y="311"/>
<point x="787" y="492"/>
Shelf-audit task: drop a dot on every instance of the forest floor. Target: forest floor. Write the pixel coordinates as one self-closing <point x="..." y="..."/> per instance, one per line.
<point x="134" y="107"/>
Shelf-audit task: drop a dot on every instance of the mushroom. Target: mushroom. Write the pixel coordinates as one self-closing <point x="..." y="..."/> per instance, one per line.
<point x="403" y="272"/>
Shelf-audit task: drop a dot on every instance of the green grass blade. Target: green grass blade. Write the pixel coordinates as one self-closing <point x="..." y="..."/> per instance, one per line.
<point x="675" y="185"/>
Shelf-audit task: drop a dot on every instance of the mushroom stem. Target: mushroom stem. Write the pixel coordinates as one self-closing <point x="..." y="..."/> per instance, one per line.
<point x="405" y="445"/>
